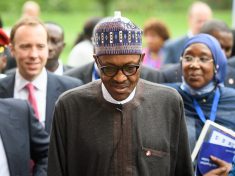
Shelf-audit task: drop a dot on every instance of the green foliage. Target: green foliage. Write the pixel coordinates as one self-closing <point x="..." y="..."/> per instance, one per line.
<point x="107" y="6"/>
<point x="72" y="14"/>
<point x="220" y="4"/>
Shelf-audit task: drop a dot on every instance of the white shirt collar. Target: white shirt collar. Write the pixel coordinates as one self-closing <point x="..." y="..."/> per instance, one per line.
<point x="60" y="69"/>
<point x="110" y="99"/>
<point x="21" y="82"/>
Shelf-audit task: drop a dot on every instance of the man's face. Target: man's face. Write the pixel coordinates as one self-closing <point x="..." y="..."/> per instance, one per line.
<point x="226" y="41"/>
<point x="199" y="71"/>
<point x="197" y="18"/>
<point x="30" y="50"/>
<point x="119" y="86"/>
<point x="55" y="41"/>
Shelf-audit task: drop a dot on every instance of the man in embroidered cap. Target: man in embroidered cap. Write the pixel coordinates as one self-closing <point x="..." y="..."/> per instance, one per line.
<point x="119" y="125"/>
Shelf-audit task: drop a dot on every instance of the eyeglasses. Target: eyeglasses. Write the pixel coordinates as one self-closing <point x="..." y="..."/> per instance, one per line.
<point x="127" y="70"/>
<point x="192" y="59"/>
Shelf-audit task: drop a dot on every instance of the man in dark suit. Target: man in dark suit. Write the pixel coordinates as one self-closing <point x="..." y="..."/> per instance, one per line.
<point x="172" y="50"/>
<point x="22" y="138"/>
<point x="30" y="48"/>
<point x="56" y="45"/>
<point x="89" y="72"/>
<point x="218" y="29"/>
<point x="56" y="85"/>
<point x="199" y="13"/>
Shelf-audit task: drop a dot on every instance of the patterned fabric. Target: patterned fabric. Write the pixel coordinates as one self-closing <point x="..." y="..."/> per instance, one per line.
<point x="117" y="35"/>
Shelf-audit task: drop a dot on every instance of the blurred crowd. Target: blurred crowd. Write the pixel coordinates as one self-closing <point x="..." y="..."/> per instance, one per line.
<point x="199" y="65"/>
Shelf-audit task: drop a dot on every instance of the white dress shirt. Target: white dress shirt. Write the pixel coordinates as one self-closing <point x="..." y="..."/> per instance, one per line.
<point x="110" y="99"/>
<point x="60" y="69"/>
<point x="4" y="170"/>
<point x="40" y="84"/>
<point x="81" y="54"/>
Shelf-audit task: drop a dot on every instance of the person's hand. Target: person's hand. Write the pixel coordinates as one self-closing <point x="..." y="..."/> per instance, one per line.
<point x="222" y="170"/>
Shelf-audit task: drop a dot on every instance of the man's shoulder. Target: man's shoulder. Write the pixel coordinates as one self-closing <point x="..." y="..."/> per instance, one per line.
<point x="159" y="90"/>
<point x="64" y="80"/>
<point x="230" y="77"/>
<point x="67" y="67"/>
<point x="227" y="93"/>
<point x="7" y="78"/>
<point x="14" y="104"/>
<point x="231" y="61"/>
<point x="175" y="42"/>
<point x="7" y="81"/>
<point x="173" y="48"/>
<point x="161" y="95"/>
<point x="171" y="73"/>
<point x="77" y="71"/>
<point x="11" y="71"/>
<point x="169" y="68"/>
<point x="151" y="74"/>
<point x="85" y="91"/>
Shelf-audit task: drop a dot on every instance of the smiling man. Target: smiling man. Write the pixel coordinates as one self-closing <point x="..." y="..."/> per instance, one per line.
<point x="29" y="46"/>
<point x="119" y="125"/>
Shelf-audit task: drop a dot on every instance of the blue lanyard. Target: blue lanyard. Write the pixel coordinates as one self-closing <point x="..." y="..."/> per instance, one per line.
<point x="213" y="108"/>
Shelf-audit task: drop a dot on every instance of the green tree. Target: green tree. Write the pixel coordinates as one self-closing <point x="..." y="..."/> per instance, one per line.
<point x="105" y="4"/>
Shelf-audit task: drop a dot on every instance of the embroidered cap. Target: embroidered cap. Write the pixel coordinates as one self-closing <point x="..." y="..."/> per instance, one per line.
<point x="117" y="35"/>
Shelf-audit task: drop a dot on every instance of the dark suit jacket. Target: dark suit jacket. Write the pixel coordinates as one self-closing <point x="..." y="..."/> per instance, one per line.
<point x="23" y="138"/>
<point x="85" y="73"/>
<point x="172" y="50"/>
<point x="66" y="68"/>
<point x="151" y="74"/>
<point x="173" y="73"/>
<point x="231" y="61"/>
<point x="56" y="85"/>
